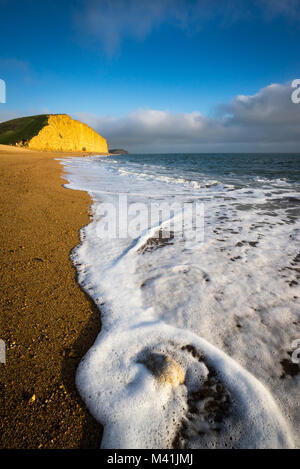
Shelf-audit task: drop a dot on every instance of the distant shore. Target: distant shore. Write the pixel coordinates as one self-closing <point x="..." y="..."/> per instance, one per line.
<point x="47" y="322"/>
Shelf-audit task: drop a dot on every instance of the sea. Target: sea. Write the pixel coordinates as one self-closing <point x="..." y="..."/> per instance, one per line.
<point x="194" y="263"/>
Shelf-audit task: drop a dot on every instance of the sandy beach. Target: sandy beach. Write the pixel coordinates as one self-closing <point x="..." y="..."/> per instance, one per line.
<point x="47" y="322"/>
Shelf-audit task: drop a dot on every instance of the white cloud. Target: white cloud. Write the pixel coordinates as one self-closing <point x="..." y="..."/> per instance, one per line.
<point x="274" y="8"/>
<point x="265" y="121"/>
<point x="110" y="22"/>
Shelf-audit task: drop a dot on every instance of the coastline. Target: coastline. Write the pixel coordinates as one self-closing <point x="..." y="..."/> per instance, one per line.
<point x="48" y="323"/>
<point x="183" y="303"/>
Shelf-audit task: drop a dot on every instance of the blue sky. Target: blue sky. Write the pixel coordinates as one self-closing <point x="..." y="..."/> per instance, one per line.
<point x="111" y="59"/>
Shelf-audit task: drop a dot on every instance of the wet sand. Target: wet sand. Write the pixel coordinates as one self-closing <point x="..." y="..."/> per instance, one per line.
<point x="47" y="321"/>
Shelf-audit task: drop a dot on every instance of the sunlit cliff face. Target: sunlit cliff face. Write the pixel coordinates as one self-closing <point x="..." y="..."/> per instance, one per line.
<point x="65" y="134"/>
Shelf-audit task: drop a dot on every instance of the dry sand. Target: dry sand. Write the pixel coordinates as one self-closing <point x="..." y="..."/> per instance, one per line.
<point x="47" y="322"/>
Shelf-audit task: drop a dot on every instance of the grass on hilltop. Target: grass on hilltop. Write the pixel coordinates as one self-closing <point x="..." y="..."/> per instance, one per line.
<point x="22" y="129"/>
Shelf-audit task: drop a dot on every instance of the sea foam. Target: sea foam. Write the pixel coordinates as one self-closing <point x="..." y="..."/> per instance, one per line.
<point x="193" y="332"/>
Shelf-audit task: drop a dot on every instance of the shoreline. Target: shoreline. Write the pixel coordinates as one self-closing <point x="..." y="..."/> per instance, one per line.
<point x="48" y="322"/>
<point x="192" y="312"/>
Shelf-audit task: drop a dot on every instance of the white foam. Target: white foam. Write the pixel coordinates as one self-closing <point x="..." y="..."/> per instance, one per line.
<point x="229" y="299"/>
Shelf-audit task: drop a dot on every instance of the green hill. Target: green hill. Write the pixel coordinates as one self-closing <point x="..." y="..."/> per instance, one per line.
<point x="22" y="129"/>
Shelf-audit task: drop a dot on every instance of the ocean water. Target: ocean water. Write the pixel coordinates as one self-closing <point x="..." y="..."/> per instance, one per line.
<point x="198" y="332"/>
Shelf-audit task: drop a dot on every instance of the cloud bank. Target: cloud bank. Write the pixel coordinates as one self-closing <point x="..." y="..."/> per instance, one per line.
<point x="266" y="121"/>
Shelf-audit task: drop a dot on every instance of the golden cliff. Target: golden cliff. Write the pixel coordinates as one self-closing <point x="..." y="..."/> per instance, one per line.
<point x="61" y="133"/>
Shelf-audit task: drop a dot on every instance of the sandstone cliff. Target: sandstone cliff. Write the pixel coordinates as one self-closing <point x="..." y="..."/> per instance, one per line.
<point x="54" y="132"/>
